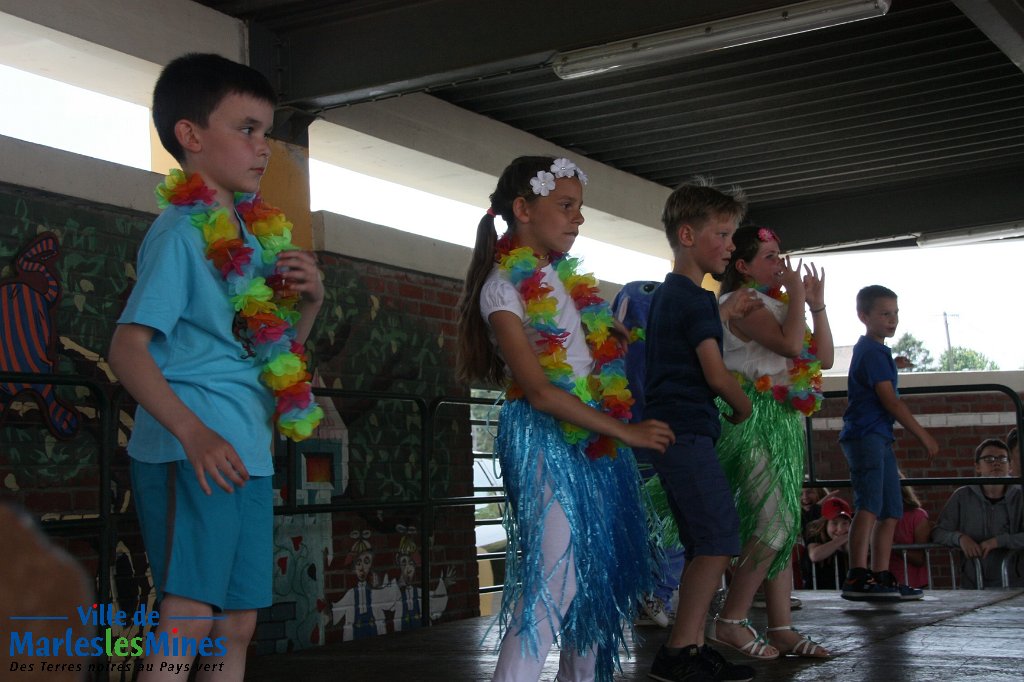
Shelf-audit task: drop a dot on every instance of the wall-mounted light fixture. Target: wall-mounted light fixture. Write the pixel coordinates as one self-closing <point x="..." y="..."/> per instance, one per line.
<point x="972" y="235"/>
<point x="691" y="40"/>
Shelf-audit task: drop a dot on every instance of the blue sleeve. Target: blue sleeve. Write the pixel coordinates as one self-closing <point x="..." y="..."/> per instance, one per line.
<point x="878" y="366"/>
<point x="701" y="320"/>
<point x="165" y="278"/>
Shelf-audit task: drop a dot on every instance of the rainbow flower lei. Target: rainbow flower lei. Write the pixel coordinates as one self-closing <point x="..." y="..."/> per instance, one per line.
<point x="605" y="388"/>
<point x="803" y="392"/>
<point x="265" y="313"/>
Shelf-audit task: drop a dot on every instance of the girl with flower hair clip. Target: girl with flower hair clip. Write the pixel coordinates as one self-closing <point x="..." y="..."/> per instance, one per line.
<point x="778" y="361"/>
<point x="578" y="557"/>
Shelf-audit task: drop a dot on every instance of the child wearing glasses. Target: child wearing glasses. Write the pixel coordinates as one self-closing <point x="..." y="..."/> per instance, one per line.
<point x="986" y="521"/>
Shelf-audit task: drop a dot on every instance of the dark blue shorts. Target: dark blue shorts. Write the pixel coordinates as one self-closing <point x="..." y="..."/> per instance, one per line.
<point x="699" y="496"/>
<point x="874" y="475"/>
<point x="216" y="549"/>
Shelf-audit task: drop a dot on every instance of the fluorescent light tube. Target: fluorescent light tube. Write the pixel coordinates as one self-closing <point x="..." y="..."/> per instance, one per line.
<point x="691" y="40"/>
<point x="972" y="235"/>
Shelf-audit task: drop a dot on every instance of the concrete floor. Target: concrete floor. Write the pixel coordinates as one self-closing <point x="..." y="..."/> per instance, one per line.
<point x="949" y="635"/>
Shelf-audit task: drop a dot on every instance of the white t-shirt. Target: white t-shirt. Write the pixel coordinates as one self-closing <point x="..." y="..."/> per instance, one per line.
<point x="498" y="293"/>
<point x="750" y="358"/>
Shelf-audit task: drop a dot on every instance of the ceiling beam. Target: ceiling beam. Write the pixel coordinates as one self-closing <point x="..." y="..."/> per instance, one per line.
<point x="1002" y="21"/>
<point x="941" y="205"/>
<point x="409" y="47"/>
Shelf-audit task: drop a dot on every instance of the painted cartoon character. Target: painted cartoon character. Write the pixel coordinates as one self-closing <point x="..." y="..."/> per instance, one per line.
<point x="405" y="596"/>
<point x="361" y="609"/>
<point x="28" y="333"/>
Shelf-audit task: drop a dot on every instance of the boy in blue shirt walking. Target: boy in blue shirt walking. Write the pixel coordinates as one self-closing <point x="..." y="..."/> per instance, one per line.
<point x="867" y="439"/>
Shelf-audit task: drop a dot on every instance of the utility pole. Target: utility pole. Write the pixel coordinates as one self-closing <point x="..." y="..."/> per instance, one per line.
<point x="949" y="346"/>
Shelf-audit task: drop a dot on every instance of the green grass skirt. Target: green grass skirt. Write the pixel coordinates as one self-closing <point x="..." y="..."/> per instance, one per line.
<point x="763" y="459"/>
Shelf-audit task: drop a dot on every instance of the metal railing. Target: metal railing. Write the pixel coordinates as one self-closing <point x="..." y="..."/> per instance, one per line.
<point x="426" y="503"/>
<point x="107" y="433"/>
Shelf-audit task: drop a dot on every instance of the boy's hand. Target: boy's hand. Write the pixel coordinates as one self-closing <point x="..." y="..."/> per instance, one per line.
<point x="987" y="546"/>
<point x="930" y="444"/>
<point x="740" y="412"/>
<point x="299" y="269"/>
<point x="970" y="547"/>
<point x="740" y="304"/>
<point x="650" y="433"/>
<point x="210" y="454"/>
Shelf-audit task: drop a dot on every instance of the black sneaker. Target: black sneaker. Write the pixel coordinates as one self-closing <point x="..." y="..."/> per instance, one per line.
<point x="689" y="665"/>
<point x="906" y="592"/>
<point x="860" y="585"/>
<point x="724" y="670"/>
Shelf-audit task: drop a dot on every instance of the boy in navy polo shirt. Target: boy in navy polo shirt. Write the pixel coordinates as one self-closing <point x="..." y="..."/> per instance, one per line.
<point x="866" y="439"/>
<point x="685" y="373"/>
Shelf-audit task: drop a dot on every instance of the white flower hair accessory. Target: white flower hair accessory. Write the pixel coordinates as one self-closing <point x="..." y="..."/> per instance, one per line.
<point x="561" y="168"/>
<point x="564" y="168"/>
<point x="543" y="183"/>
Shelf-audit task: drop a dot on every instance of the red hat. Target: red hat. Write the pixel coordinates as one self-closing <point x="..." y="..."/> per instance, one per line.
<point x="836" y="506"/>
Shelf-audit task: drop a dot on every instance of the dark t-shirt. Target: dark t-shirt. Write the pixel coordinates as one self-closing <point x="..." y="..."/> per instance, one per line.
<point x="682" y="316"/>
<point x="871" y="364"/>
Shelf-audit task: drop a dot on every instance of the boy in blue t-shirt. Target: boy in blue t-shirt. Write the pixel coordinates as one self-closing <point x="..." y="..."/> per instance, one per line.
<point x="867" y="438"/>
<point x="194" y="365"/>
<point x="684" y="374"/>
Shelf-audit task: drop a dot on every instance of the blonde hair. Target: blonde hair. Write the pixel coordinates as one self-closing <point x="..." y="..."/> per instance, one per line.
<point x="696" y="201"/>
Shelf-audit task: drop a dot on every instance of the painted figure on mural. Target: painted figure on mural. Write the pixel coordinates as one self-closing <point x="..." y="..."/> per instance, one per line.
<point x="361" y="609"/>
<point x="405" y="595"/>
<point x="28" y="332"/>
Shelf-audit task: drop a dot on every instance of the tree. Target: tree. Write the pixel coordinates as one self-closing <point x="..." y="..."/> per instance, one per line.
<point x="960" y="359"/>
<point x="913" y="349"/>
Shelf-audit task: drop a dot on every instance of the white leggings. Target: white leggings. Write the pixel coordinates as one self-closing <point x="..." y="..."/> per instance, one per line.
<point x="513" y="666"/>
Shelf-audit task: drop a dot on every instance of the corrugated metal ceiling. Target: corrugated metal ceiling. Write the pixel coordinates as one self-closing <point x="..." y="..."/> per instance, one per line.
<point x="919" y="93"/>
<point x="915" y="110"/>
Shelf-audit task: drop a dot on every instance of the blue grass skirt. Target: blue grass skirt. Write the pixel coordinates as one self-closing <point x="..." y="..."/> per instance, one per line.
<point x="609" y="531"/>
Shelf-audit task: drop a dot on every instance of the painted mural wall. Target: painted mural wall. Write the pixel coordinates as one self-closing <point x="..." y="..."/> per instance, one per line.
<point x="67" y="269"/>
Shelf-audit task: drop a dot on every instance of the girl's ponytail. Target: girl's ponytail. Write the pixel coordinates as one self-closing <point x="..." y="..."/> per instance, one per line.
<point x="477" y="358"/>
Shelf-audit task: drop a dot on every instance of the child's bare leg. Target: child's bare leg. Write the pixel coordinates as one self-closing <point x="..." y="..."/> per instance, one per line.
<point x="776" y="596"/>
<point x="746" y="577"/>
<point x="881" y="544"/>
<point x="237" y="629"/>
<point x="180" y="617"/>
<point x="861" y="531"/>
<point x="701" y="577"/>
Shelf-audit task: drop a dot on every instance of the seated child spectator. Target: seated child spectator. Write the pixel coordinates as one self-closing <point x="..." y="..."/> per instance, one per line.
<point x="827" y="548"/>
<point x="913" y="528"/>
<point x="810" y="504"/>
<point x="986" y="521"/>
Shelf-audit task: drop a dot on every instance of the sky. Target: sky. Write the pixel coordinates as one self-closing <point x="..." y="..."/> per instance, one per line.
<point x="969" y="291"/>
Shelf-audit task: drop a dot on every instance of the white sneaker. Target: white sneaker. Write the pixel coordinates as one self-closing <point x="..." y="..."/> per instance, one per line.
<point x="652" y="612"/>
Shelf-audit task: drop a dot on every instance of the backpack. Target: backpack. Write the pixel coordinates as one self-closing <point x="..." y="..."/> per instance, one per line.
<point x="631" y="307"/>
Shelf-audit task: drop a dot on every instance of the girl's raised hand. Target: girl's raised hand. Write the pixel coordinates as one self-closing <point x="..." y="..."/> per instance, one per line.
<point x="814" y="286"/>
<point x="791" y="278"/>
<point x="650" y="433"/>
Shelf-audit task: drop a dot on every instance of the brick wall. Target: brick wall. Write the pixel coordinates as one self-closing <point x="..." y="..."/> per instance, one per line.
<point x="381" y="329"/>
